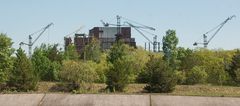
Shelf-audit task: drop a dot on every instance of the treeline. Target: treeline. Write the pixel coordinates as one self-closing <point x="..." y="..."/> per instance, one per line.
<point x="116" y="67"/>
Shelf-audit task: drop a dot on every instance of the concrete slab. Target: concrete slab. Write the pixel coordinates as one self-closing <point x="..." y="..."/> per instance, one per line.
<point x="112" y="100"/>
<point x="95" y="100"/>
<point x="20" y="99"/>
<point x="160" y="100"/>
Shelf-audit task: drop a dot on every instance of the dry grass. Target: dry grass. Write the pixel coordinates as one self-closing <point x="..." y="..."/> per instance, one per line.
<point x="184" y="90"/>
<point x="206" y="90"/>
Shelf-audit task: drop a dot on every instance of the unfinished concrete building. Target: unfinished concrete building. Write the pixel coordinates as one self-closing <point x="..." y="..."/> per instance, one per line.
<point x="105" y="35"/>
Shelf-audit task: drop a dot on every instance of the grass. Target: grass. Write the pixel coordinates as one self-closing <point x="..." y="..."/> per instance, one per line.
<point x="206" y="90"/>
<point x="181" y="90"/>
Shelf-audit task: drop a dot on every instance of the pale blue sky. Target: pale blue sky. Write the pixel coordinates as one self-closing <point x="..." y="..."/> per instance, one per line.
<point x="190" y="18"/>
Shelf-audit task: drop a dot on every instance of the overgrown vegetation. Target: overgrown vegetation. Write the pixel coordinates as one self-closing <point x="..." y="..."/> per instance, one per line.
<point x="161" y="77"/>
<point x="117" y="67"/>
<point x="121" y="68"/>
<point x="6" y="62"/>
<point x="22" y="77"/>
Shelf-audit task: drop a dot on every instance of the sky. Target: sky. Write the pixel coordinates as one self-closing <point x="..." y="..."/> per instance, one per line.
<point x="190" y="18"/>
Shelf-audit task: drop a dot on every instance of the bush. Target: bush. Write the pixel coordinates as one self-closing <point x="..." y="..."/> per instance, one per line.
<point x="161" y="77"/>
<point x="234" y="68"/>
<point x="101" y="69"/>
<point x="181" y="77"/>
<point x="77" y="74"/>
<point x="196" y="75"/>
<point x="217" y="75"/>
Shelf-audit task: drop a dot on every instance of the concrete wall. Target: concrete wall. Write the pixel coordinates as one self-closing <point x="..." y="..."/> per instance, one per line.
<point x="20" y="99"/>
<point x="112" y="100"/>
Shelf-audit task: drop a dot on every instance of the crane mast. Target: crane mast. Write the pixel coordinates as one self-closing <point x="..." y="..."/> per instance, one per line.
<point x="217" y="28"/>
<point x="30" y="42"/>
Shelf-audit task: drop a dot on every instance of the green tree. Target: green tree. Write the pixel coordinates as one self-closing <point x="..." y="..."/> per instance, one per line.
<point x="141" y="57"/>
<point x="92" y="51"/>
<point x="234" y="67"/>
<point x="71" y="53"/>
<point x="23" y="77"/>
<point x="47" y="70"/>
<point x="196" y="76"/>
<point x="212" y="61"/>
<point x="120" y="71"/>
<point x="6" y="63"/>
<point x="161" y="77"/>
<point x="54" y="54"/>
<point x="182" y="55"/>
<point x="170" y="42"/>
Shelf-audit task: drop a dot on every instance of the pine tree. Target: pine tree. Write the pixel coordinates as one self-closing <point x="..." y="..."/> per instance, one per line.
<point x="121" y="67"/>
<point x="22" y="77"/>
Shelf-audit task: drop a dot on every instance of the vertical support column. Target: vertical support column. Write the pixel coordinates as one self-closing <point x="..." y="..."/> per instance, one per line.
<point x="205" y="43"/>
<point x="149" y="46"/>
<point x="145" y="47"/>
<point x="158" y="46"/>
<point x="154" y="43"/>
<point x="30" y="46"/>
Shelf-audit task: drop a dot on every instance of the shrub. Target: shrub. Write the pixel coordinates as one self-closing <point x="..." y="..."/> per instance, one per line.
<point x="77" y="74"/>
<point x="234" y="67"/>
<point x="217" y="75"/>
<point x="181" y="77"/>
<point x="196" y="75"/>
<point x="101" y="69"/>
<point x="161" y="77"/>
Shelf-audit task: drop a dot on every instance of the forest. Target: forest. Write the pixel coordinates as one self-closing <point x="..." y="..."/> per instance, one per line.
<point x="117" y="67"/>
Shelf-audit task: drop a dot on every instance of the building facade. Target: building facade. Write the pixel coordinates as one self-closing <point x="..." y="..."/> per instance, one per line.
<point x="105" y="35"/>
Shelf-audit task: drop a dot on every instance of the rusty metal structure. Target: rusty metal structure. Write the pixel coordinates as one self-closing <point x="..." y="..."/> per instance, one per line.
<point x="105" y="35"/>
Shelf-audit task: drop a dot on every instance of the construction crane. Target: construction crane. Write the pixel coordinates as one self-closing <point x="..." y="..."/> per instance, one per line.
<point x="154" y="42"/>
<point x="30" y="42"/>
<point x="216" y="29"/>
<point x="68" y="39"/>
<point x="74" y="32"/>
<point x="139" y="28"/>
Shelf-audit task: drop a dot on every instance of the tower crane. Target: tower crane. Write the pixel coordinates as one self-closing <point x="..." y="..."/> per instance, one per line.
<point x="217" y="28"/>
<point x="139" y="28"/>
<point x="68" y="39"/>
<point x="30" y="42"/>
<point x="76" y="31"/>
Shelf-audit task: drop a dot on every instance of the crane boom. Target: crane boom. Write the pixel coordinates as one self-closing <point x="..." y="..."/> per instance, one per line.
<point x="217" y="28"/>
<point x="136" y="28"/>
<point x="30" y="43"/>
<point x="75" y="31"/>
<point x="44" y="29"/>
<point x="221" y="25"/>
